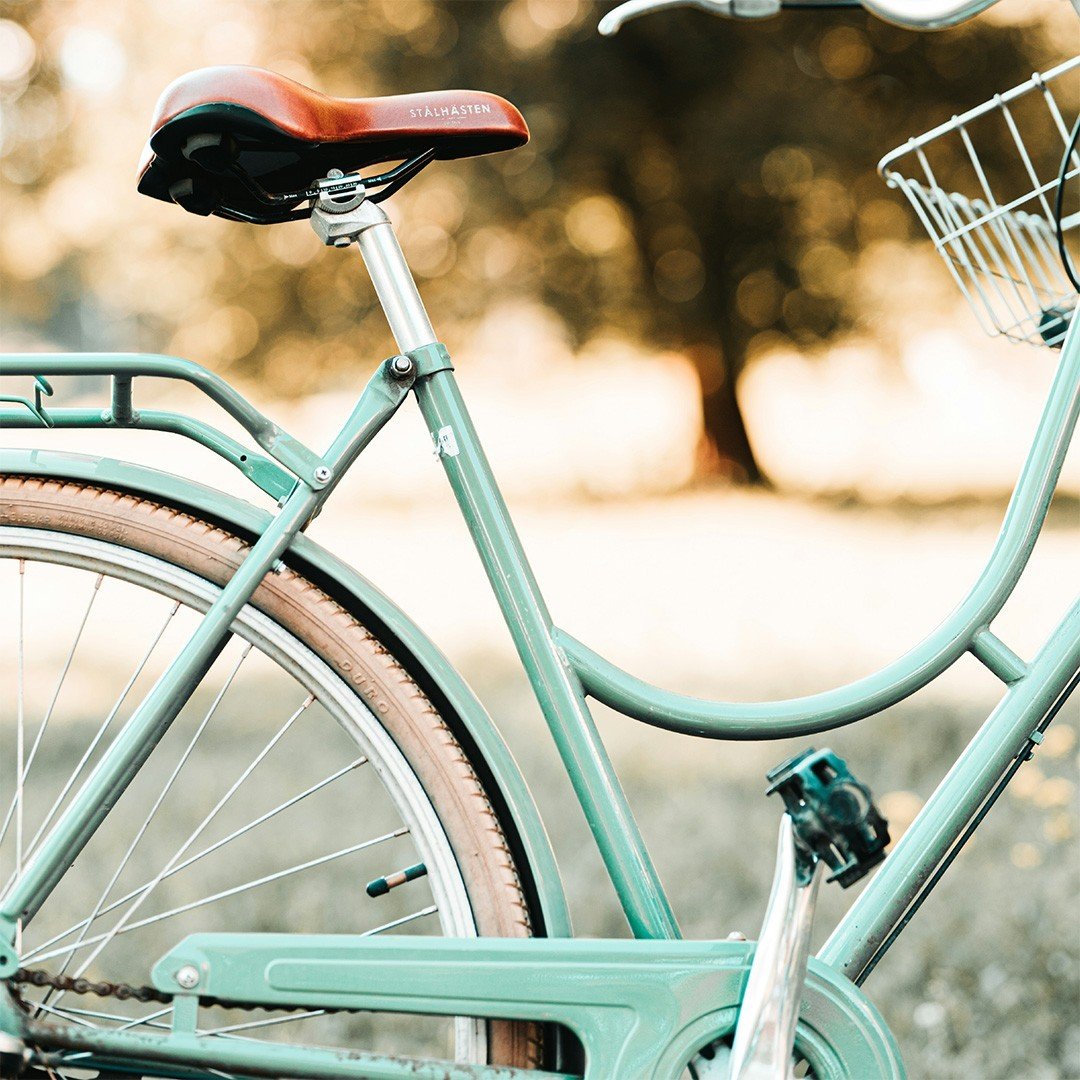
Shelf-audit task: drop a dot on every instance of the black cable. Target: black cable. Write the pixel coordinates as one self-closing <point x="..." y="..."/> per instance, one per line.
<point x="1059" y="200"/>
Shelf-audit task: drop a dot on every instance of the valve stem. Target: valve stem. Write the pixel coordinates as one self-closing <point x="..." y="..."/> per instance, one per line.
<point x="381" y="886"/>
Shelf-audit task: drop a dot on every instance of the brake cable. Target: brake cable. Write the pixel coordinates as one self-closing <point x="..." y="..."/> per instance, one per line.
<point x="1059" y="200"/>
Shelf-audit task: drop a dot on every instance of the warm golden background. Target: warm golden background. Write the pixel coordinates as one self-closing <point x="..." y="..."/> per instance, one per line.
<point x="755" y="442"/>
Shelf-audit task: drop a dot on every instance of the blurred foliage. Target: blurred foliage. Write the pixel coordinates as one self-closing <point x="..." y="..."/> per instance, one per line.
<point x="695" y="184"/>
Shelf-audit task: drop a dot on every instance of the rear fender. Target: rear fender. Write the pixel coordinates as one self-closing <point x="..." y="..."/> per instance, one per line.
<point x="448" y="691"/>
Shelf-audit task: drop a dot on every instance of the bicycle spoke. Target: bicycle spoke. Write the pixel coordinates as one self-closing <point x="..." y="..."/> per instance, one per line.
<point x="255" y="815"/>
<point x="20" y="719"/>
<point x="166" y="788"/>
<point x="54" y="1075"/>
<point x="98" y="1014"/>
<point x="96" y="740"/>
<point x="322" y="860"/>
<point x="421" y="914"/>
<point x="140" y="899"/>
<point x="69" y="1015"/>
<point x="52" y="704"/>
<point x="236" y="833"/>
<point x="268" y="1022"/>
<point x="147" y="1020"/>
<point x="292" y="801"/>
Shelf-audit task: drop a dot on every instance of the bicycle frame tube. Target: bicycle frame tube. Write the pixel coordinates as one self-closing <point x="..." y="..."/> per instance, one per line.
<point x="557" y="688"/>
<point x="965" y="630"/>
<point x="562" y="671"/>
<point x="1011" y="732"/>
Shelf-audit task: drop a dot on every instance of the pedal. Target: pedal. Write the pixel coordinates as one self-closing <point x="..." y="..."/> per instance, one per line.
<point x="831" y="820"/>
<point x="833" y="813"/>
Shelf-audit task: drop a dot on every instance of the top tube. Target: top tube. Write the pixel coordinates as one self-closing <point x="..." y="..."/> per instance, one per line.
<point x="966" y="628"/>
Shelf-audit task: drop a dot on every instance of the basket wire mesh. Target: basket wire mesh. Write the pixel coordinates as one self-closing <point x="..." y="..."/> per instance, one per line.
<point x="997" y="231"/>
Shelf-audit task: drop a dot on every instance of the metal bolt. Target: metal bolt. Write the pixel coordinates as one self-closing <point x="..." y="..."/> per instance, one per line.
<point x="9" y="963"/>
<point x="334" y="174"/>
<point x="188" y="977"/>
<point x="401" y="367"/>
<point x="323" y="474"/>
<point x="342" y="241"/>
<point x="736" y="935"/>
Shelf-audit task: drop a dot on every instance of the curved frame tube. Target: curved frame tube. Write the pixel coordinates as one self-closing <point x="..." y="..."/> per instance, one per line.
<point x="965" y="629"/>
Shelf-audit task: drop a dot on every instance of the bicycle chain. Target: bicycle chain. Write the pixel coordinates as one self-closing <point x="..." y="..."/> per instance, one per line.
<point x="68" y="984"/>
<point x="39" y="977"/>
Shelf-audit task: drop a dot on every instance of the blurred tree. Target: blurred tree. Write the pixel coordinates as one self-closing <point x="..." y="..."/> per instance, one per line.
<point x="738" y="157"/>
<point x="694" y="183"/>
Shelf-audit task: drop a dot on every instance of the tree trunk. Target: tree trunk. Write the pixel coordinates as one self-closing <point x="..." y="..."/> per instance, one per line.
<point x="729" y="447"/>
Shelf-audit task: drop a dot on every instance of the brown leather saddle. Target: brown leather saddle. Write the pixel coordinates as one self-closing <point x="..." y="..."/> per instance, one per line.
<point x="248" y="144"/>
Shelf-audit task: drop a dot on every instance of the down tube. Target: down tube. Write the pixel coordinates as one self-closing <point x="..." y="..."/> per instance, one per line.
<point x="1005" y="735"/>
<point x="557" y="688"/>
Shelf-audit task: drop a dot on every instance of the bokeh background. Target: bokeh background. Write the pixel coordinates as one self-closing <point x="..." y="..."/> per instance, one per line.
<point x="755" y="443"/>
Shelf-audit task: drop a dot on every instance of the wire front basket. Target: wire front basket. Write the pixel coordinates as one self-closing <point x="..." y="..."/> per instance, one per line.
<point x="1000" y="240"/>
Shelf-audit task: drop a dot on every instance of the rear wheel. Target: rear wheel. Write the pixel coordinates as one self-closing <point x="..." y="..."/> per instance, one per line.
<point x="307" y="765"/>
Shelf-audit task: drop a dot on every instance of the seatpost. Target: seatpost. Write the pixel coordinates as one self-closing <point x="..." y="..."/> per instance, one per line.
<point x="367" y="224"/>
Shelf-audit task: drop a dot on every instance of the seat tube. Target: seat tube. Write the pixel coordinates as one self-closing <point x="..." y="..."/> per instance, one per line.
<point x="556" y="685"/>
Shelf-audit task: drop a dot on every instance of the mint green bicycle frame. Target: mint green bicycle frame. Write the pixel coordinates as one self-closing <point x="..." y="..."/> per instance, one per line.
<point x="564" y="674"/>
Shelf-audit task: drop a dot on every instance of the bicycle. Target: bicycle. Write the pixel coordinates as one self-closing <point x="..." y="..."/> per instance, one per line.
<point x="454" y="841"/>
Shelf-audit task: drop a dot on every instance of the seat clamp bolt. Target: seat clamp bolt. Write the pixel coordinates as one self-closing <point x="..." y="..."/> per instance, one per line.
<point x="401" y="367"/>
<point x="322" y="474"/>
<point x="188" y="977"/>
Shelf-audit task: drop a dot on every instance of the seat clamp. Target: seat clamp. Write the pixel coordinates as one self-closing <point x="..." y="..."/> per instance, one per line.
<point x="430" y="359"/>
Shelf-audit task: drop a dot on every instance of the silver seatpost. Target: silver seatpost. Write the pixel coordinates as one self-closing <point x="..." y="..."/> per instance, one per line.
<point x="366" y="223"/>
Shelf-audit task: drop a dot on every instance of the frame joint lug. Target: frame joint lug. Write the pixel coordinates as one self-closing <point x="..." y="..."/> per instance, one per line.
<point x="429" y="359"/>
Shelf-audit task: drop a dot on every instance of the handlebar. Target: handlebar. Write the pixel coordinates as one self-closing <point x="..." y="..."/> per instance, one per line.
<point x="913" y="14"/>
